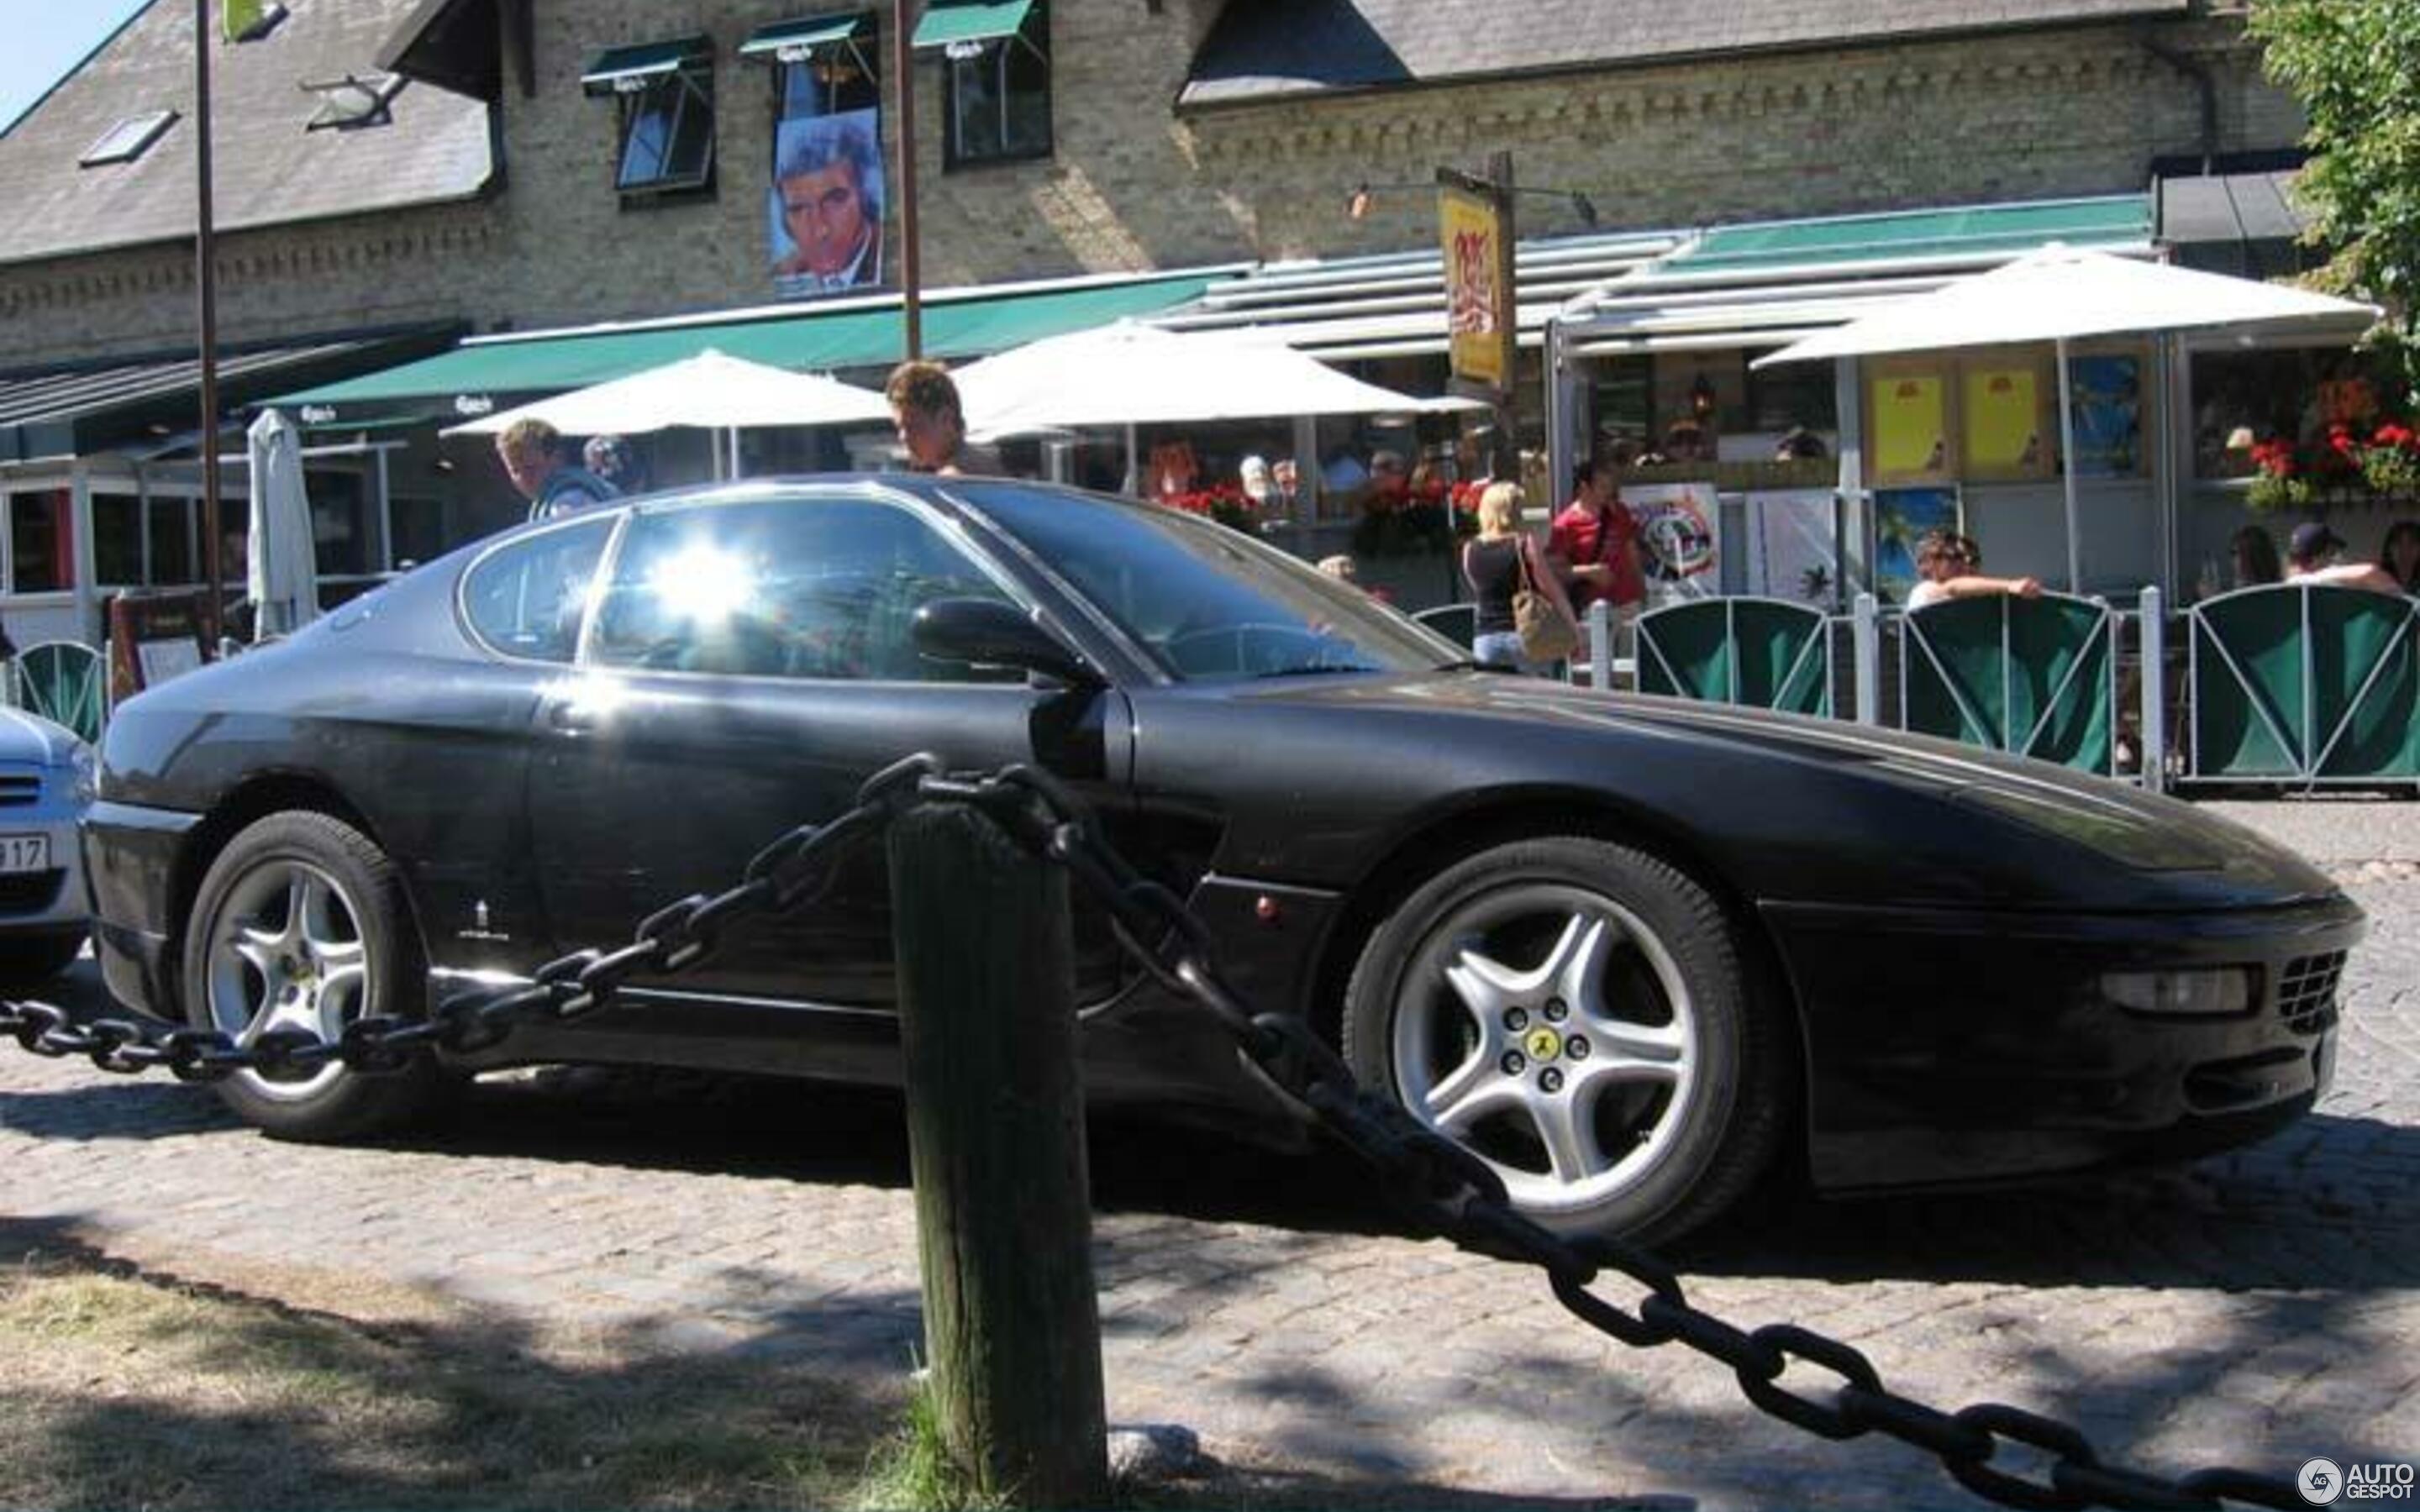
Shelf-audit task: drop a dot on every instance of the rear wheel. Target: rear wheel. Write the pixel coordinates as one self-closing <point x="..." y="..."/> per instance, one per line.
<point x="301" y="924"/>
<point x="1580" y="1015"/>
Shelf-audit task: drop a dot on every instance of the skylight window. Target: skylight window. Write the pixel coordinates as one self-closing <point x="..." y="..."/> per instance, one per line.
<point x="354" y="101"/>
<point x="249" y="20"/>
<point x="127" y="140"/>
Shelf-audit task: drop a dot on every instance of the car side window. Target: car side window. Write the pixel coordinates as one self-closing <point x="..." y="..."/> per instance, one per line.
<point x="526" y="598"/>
<point x="805" y="588"/>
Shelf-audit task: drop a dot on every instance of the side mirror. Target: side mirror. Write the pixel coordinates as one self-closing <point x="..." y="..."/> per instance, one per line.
<point x="989" y="632"/>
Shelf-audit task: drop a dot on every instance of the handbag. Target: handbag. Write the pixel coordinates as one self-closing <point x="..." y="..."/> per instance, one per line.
<point x="1547" y="634"/>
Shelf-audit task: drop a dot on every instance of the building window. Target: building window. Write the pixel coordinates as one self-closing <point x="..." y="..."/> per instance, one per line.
<point x="41" y="546"/>
<point x="995" y="79"/>
<point x="666" y="95"/>
<point x="127" y="140"/>
<point x="116" y="540"/>
<point x="822" y="66"/>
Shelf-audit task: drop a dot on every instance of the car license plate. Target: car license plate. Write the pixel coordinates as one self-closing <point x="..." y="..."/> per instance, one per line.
<point x="24" y="853"/>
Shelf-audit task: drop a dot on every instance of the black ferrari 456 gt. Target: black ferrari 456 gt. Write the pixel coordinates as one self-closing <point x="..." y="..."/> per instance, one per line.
<point x="1630" y="951"/>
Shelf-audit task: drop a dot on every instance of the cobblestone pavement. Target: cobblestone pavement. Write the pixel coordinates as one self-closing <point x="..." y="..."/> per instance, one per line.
<point x="2256" y="1308"/>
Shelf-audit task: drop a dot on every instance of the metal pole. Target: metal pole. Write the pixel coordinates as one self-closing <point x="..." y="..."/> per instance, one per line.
<point x="1866" y="640"/>
<point x="903" y="58"/>
<point x="2152" y="683"/>
<point x="207" y="285"/>
<point x="1508" y="445"/>
<point x="2067" y="466"/>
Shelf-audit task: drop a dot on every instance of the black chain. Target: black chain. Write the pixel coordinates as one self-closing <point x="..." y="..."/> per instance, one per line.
<point x="791" y="873"/>
<point x="1442" y="1188"/>
<point x="1450" y="1193"/>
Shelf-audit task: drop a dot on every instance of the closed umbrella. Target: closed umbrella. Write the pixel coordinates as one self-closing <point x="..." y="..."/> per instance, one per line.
<point x="283" y="577"/>
<point x="2062" y="293"/>
<point x="710" y="391"/>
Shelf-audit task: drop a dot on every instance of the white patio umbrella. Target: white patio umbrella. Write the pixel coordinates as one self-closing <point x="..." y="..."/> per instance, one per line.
<point x="710" y="391"/>
<point x="283" y="578"/>
<point x="2062" y="293"/>
<point x="1129" y="373"/>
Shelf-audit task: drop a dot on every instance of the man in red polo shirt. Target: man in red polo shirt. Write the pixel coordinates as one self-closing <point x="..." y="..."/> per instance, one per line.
<point x="1596" y="540"/>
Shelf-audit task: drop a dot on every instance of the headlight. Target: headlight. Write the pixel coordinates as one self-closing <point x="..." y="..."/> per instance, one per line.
<point x="88" y="775"/>
<point x="2211" y="991"/>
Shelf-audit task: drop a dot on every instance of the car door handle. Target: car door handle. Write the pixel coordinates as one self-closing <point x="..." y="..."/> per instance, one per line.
<point x="571" y="717"/>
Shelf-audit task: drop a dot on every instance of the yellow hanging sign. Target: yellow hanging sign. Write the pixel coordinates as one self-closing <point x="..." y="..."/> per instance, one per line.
<point x="1479" y="317"/>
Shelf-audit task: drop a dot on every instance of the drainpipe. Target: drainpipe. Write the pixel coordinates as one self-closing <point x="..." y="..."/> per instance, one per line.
<point x="2197" y="69"/>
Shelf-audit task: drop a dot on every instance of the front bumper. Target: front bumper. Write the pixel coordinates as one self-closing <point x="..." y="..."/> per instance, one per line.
<point x="50" y="901"/>
<point x="1950" y="1047"/>
<point x="131" y="855"/>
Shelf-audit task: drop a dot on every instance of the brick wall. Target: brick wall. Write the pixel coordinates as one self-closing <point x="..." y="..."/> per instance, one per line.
<point x="1133" y="185"/>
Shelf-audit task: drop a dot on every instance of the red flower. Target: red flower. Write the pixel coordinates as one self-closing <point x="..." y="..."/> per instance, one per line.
<point x="2394" y="435"/>
<point x="2274" y="457"/>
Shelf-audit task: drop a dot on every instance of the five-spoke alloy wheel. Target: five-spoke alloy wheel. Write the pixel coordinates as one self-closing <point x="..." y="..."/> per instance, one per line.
<point x="1579" y="1014"/>
<point x="300" y="924"/>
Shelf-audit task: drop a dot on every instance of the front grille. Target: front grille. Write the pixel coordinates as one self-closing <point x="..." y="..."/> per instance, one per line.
<point x="29" y="892"/>
<point x="18" y="788"/>
<point x="2306" y="992"/>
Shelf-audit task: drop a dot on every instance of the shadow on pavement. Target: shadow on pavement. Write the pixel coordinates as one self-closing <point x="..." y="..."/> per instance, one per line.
<point x="2247" y="1218"/>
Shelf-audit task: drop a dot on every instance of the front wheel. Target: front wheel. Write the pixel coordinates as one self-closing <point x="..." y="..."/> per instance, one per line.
<point x="1580" y="1015"/>
<point x="301" y="924"/>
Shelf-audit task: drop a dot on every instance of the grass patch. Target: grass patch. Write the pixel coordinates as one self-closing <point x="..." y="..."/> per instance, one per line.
<point x="910" y="1470"/>
<point x="131" y="1391"/>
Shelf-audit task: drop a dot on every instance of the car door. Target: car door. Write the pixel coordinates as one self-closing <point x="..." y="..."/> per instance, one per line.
<point x="747" y="667"/>
<point x="441" y="767"/>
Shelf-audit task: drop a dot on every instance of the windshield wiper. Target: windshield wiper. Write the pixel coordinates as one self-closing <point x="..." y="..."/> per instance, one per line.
<point x="1467" y="665"/>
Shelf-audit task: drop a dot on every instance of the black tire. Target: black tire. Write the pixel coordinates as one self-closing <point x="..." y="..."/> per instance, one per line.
<point x="358" y="903"/>
<point x="1653" y="1033"/>
<point x="28" y="959"/>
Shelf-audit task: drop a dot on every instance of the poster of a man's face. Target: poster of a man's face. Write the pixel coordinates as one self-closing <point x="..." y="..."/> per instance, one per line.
<point x="825" y="205"/>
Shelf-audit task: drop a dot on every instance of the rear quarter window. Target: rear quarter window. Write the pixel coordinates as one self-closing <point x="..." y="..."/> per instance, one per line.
<point x="527" y="598"/>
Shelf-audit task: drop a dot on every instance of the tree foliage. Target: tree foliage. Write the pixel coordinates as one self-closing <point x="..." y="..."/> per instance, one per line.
<point x="2355" y="66"/>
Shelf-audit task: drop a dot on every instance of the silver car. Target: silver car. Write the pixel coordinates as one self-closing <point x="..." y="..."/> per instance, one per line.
<point x="46" y="784"/>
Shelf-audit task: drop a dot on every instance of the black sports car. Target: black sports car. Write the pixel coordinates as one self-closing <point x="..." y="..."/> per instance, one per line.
<point x="1631" y="951"/>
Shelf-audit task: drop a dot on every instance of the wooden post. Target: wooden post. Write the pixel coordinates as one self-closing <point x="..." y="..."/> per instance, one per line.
<point x="996" y="1143"/>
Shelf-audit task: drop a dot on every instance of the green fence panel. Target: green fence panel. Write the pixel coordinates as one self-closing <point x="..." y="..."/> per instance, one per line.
<point x="2247" y="684"/>
<point x="2306" y="683"/>
<point x="2033" y="676"/>
<point x="1766" y="654"/>
<point x="2362" y="683"/>
<point x="64" y="681"/>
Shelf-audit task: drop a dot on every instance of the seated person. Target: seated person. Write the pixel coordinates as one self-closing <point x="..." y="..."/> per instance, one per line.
<point x="1951" y="567"/>
<point x="2311" y="558"/>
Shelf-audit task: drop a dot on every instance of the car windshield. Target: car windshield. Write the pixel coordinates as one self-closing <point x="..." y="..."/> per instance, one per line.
<point x="1209" y="603"/>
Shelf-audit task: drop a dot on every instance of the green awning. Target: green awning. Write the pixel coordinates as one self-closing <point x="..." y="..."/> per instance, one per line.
<point x="642" y="61"/>
<point x="970" y="21"/>
<point x="803" y="36"/>
<point x="1981" y="229"/>
<point x="470" y="380"/>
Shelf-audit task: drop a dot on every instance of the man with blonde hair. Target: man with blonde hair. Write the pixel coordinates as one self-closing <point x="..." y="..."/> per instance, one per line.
<point x="530" y="451"/>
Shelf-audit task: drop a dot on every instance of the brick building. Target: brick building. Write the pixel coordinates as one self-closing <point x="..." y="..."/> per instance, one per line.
<point x="536" y="164"/>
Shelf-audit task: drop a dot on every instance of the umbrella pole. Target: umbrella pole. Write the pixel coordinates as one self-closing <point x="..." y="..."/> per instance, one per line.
<point x="735" y="454"/>
<point x="2067" y="468"/>
<point x="1133" y="488"/>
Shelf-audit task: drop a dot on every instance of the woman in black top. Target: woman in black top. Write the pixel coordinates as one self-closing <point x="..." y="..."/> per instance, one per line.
<point x="1495" y="565"/>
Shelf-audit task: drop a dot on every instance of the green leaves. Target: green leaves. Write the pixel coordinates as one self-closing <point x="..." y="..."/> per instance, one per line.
<point x="2355" y="66"/>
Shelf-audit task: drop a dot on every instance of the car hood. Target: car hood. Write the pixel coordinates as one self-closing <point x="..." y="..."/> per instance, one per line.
<point x="25" y="737"/>
<point x="1970" y="811"/>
